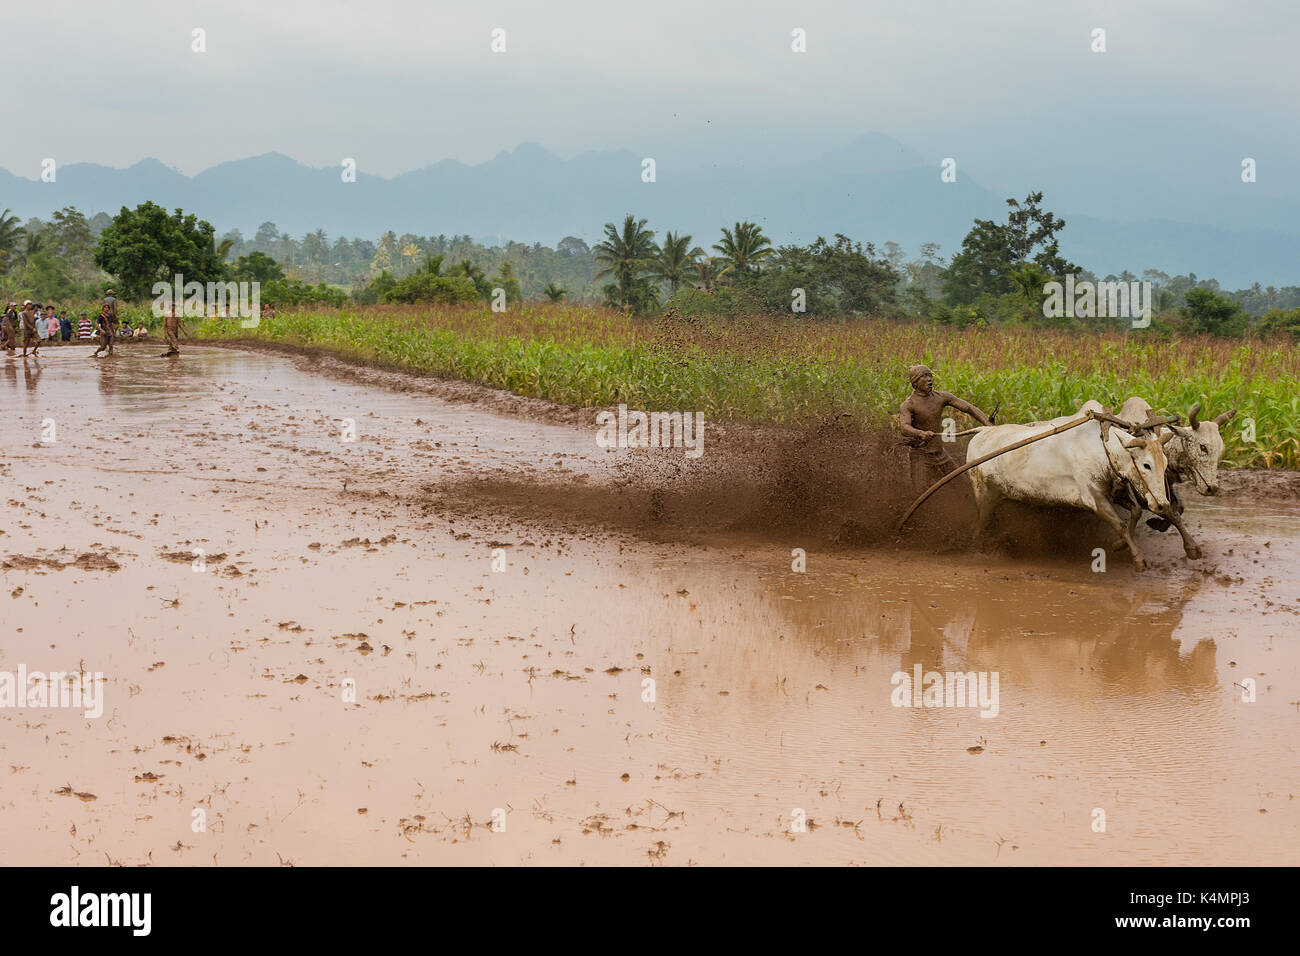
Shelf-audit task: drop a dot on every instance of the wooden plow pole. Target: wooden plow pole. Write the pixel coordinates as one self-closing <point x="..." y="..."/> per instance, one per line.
<point x="1082" y="419"/>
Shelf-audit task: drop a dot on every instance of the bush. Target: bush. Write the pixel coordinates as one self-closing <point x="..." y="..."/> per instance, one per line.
<point x="1280" y="322"/>
<point x="295" y="292"/>
<point x="1206" y="311"/>
<point x="427" y="287"/>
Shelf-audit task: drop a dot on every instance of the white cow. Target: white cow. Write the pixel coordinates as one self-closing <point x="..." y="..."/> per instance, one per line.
<point x="1084" y="467"/>
<point x="1194" y="455"/>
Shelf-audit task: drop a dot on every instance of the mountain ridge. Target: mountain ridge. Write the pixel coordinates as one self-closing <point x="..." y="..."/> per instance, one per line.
<point x="874" y="188"/>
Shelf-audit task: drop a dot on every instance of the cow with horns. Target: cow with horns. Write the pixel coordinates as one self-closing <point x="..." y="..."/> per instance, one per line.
<point x="1087" y="467"/>
<point x="1193" y="451"/>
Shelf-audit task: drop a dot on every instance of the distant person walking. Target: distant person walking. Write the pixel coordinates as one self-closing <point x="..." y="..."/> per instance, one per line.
<point x="30" y="336"/>
<point x="9" y="327"/>
<point x="107" y="323"/>
<point x="171" y="329"/>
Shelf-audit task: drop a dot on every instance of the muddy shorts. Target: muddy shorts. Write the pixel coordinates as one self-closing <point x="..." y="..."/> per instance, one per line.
<point x="173" y="341"/>
<point x="930" y="462"/>
<point x="32" y="339"/>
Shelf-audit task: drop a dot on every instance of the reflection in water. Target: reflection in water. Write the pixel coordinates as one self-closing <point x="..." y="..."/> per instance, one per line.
<point x="33" y="368"/>
<point x="1067" y="636"/>
<point x="790" y="675"/>
<point x="107" y="380"/>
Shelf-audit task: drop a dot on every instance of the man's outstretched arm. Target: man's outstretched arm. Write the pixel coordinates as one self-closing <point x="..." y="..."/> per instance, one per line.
<point x="964" y="406"/>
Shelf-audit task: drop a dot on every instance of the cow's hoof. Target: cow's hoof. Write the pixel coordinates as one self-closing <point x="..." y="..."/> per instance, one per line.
<point x="1139" y="563"/>
<point x="1194" y="554"/>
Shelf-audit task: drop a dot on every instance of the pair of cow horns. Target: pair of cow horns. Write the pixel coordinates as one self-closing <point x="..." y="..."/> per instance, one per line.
<point x="1220" y="420"/>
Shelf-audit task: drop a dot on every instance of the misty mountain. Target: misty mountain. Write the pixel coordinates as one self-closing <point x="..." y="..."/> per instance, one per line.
<point x="873" y="189"/>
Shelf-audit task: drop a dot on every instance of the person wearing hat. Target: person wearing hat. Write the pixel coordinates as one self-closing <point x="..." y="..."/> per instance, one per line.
<point x="107" y="323"/>
<point x="920" y="421"/>
<point x="30" y="336"/>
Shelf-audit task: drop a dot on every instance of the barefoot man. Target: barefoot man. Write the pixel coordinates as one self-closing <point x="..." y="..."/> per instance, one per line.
<point x="107" y="323"/>
<point x="920" y="421"/>
<point x="30" y="337"/>
<point x="171" y="328"/>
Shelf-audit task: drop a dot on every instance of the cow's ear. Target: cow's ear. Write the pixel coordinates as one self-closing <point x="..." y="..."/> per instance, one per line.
<point x="1135" y="443"/>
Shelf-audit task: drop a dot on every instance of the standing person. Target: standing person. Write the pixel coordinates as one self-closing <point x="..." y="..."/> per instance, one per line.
<point x="65" y="327"/>
<point x="171" y="328"/>
<point x="30" y="335"/>
<point x="85" y="328"/>
<point x="919" y="420"/>
<point x="52" y="325"/>
<point x="107" y="323"/>
<point x="9" y="327"/>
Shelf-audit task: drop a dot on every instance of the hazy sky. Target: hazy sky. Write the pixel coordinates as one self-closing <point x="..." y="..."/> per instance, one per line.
<point x="1011" y="89"/>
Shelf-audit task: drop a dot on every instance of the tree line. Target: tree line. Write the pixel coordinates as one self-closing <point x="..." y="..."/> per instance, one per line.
<point x="996" y="277"/>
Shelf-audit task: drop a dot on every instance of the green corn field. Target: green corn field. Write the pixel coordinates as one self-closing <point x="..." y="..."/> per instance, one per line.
<point x="783" y="370"/>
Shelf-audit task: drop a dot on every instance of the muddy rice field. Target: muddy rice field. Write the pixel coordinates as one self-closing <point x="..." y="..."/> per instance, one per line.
<point x="347" y="616"/>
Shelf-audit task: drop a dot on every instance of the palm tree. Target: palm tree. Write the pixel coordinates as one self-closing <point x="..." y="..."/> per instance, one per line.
<point x="625" y="255"/>
<point x="744" y="248"/>
<point x="674" y="263"/>
<point x="10" y="233"/>
<point x="313" y="246"/>
<point x="707" y="275"/>
<point x="474" y="274"/>
<point x="554" y="292"/>
<point x="35" y="242"/>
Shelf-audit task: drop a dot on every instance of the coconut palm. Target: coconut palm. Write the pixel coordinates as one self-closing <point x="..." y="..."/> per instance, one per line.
<point x="744" y="248"/>
<point x="625" y="255"/>
<point x="674" y="264"/>
<point x="554" y="292"/>
<point x="34" y="243"/>
<point x="707" y="274"/>
<point x="10" y="234"/>
<point x="315" y="245"/>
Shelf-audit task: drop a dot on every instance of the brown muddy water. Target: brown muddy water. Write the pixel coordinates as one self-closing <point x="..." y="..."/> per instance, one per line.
<point x="642" y="683"/>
